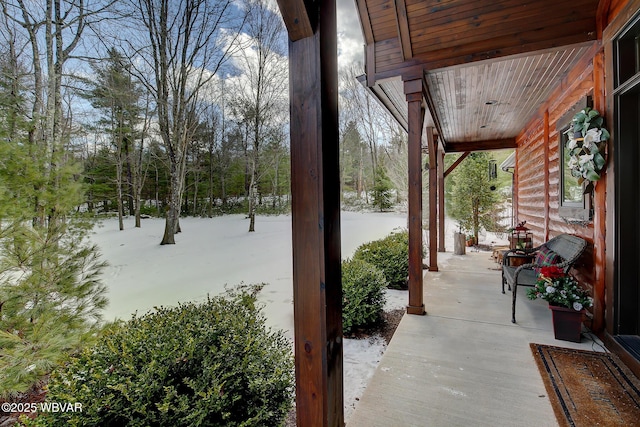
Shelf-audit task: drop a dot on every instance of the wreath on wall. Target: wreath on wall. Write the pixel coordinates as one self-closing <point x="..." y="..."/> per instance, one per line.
<point x="586" y="145"/>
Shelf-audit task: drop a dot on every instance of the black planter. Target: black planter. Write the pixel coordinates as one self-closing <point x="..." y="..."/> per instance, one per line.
<point x="567" y="323"/>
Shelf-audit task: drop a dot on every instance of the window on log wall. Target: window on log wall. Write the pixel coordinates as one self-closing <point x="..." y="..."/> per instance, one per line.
<point x="575" y="198"/>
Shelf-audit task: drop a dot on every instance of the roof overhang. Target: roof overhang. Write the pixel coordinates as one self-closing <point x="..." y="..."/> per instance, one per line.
<point x="488" y="68"/>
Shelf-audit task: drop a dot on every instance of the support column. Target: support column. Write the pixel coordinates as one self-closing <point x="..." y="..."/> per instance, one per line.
<point x="432" y="145"/>
<point x="413" y="91"/>
<point x="600" y="211"/>
<point x="315" y="192"/>
<point x="441" y="228"/>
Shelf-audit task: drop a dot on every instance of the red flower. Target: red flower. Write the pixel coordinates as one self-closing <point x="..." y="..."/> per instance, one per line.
<point x="552" y="272"/>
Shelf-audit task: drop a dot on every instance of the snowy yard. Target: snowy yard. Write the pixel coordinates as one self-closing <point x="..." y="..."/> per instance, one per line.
<point x="212" y="253"/>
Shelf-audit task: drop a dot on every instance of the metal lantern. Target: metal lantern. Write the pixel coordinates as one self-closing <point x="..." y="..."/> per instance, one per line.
<point x="521" y="237"/>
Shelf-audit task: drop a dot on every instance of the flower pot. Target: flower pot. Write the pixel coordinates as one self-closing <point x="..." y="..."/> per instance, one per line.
<point x="567" y="323"/>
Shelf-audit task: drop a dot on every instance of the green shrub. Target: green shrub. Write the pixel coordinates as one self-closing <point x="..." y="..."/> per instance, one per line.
<point x="209" y="364"/>
<point x="148" y="209"/>
<point x="390" y="255"/>
<point x="363" y="294"/>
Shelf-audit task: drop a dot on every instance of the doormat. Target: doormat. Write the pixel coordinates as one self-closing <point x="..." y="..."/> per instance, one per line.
<point x="588" y="388"/>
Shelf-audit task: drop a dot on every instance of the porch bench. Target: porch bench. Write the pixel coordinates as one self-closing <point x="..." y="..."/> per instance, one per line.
<point x="566" y="246"/>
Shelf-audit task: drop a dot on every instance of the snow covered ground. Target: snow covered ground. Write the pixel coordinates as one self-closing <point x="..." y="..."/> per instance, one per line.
<point x="213" y="253"/>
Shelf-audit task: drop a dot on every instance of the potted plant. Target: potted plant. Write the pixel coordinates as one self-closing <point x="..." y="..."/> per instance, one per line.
<point x="566" y="299"/>
<point x="471" y="240"/>
<point x="586" y="145"/>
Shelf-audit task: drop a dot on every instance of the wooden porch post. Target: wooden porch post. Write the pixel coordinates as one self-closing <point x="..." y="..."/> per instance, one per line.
<point x="600" y="214"/>
<point x="441" y="228"/>
<point x="413" y="91"/>
<point x="317" y="287"/>
<point x="432" y="145"/>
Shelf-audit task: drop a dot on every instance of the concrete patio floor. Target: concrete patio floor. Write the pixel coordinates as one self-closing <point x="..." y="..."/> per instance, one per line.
<point x="464" y="363"/>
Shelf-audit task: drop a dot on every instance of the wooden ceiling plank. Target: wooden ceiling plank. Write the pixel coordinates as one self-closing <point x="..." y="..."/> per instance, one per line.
<point x="472" y="13"/>
<point x="490" y="82"/>
<point x="403" y="29"/>
<point x="381" y="18"/>
<point x="443" y="38"/>
<point x="492" y="16"/>
<point x="386" y="30"/>
<point x="464" y="12"/>
<point x="378" y="5"/>
<point x="365" y="21"/>
<point x="524" y="28"/>
<point x="433" y="110"/>
<point x="296" y="18"/>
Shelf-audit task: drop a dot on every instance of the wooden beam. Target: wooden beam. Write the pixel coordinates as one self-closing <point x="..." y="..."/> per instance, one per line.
<point x="369" y="42"/>
<point x="394" y="67"/>
<point x="433" y="110"/>
<point x="413" y="91"/>
<point x="315" y="192"/>
<point x="600" y="209"/>
<point x="370" y="64"/>
<point x="402" y="21"/>
<point x="433" y="199"/>
<point x="492" y="144"/>
<point x="456" y="163"/>
<point x="602" y="17"/>
<point x="297" y="19"/>
<point x="441" y="230"/>
<point x="365" y="21"/>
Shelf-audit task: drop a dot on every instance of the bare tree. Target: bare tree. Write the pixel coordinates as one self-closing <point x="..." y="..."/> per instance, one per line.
<point x="397" y="152"/>
<point x="359" y="107"/>
<point x="262" y="94"/>
<point x="186" y="46"/>
<point x="138" y="161"/>
<point x="52" y="29"/>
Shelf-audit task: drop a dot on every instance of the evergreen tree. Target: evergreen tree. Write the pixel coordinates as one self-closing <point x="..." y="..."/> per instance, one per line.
<point x="116" y="95"/>
<point x="100" y="174"/>
<point x="473" y="202"/>
<point x="353" y="161"/>
<point x="382" y="194"/>
<point x="50" y="294"/>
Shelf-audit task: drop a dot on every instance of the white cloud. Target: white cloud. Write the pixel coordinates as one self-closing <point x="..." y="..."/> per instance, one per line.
<point x="350" y="40"/>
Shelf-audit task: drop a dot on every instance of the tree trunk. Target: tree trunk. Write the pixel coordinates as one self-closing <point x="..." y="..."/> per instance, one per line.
<point x="129" y="173"/>
<point x="138" y="215"/>
<point x="252" y="200"/>
<point x="173" y="209"/>
<point x="210" y="189"/>
<point x="119" y="194"/>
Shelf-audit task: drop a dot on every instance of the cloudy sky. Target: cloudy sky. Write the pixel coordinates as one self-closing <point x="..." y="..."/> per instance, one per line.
<point x="350" y="41"/>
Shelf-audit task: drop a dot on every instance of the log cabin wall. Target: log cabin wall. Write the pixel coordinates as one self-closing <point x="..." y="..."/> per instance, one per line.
<point x="538" y="175"/>
<point x="532" y="179"/>
<point x="537" y="182"/>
